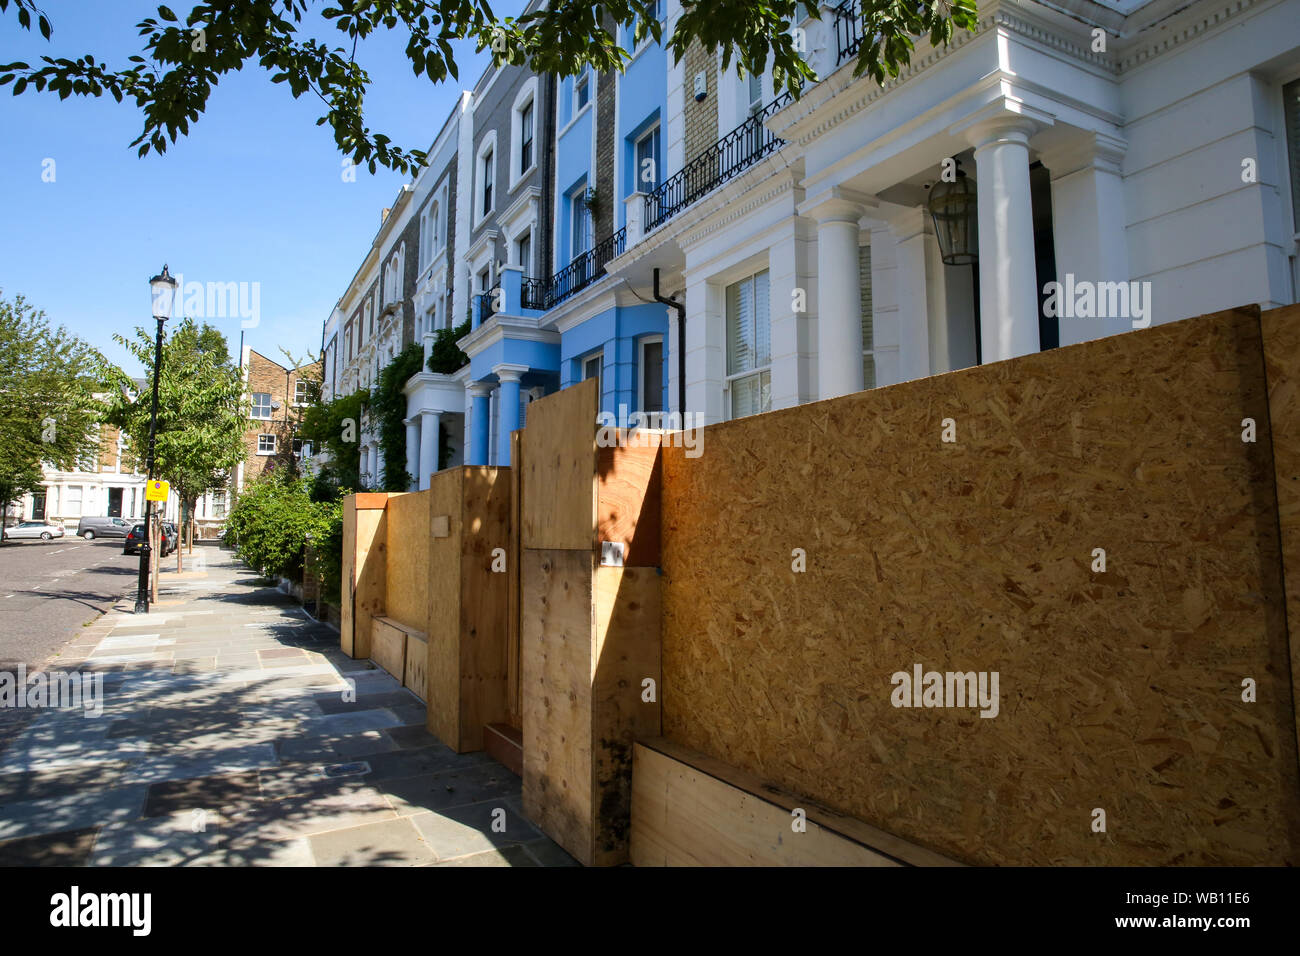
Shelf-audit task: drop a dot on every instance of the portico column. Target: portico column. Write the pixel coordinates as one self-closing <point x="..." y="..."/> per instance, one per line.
<point x="839" y="292"/>
<point x="507" y="407"/>
<point x="1088" y="225"/>
<point x="1008" y="282"/>
<point x="480" y="426"/>
<point x="413" y="451"/>
<point x="430" y="432"/>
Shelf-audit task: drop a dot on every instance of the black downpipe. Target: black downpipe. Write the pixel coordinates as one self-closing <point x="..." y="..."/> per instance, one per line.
<point x="681" y="347"/>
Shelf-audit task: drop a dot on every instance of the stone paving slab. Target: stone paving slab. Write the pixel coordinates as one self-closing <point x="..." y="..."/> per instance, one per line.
<point x="235" y="732"/>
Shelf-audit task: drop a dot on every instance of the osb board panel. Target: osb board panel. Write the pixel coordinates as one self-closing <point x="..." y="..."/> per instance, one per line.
<point x="559" y="445"/>
<point x="388" y="648"/>
<point x="513" y="704"/>
<point x="417" y="657"/>
<point x="371" y="550"/>
<point x="682" y="816"/>
<point x="628" y="494"/>
<point x="483" y="602"/>
<point x="556" y="656"/>
<point x="442" y="595"/>
<point x="408" y="559"/>
<point x="348" y="586"/>
<point x="626" y="648"/>
<point x="1118" y="690"/>
<point x="1281" y="333"/>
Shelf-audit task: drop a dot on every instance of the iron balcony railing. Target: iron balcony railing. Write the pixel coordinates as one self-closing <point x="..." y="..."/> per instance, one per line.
<point x="532" y="294"/>
<point x="848" y="30"/>
<point x="487" y="303"/>
<point x="737" y="151"/>
<point x="585" y="269"/>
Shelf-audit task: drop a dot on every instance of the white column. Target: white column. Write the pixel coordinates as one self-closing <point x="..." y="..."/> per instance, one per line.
<point x="430" y="429"/>
<point x="793" y="286"/>
<point x="1008" y="283"/>
<point x="706" y="355"/>
<point x="1088" y="224"/>
<point x="909" y="228"/>
<point x="413" y="451"/>
<point x="839" y="294"/>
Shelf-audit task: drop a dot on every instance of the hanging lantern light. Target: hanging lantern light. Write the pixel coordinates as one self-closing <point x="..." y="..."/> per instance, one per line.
<point x="952" y="207"/>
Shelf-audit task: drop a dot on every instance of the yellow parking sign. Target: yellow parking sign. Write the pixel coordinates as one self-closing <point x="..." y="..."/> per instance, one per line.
<point x="157" y="491"/>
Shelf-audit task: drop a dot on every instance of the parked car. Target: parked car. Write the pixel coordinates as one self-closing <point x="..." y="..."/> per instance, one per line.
<point x="92" y="528"/>
<point x="34" y="529"/>
<point x="135" y="537"/>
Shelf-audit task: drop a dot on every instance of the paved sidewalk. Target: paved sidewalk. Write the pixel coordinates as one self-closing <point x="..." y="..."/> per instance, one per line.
<point x="234" y="732"/>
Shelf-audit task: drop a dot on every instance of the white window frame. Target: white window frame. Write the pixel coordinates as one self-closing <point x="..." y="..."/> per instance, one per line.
<point x="641" y="366"/>
<point x="584" y="77"/>
<point x="597" y="356"/>
<point x="731" y="378"/>
<point x="637" y="184"/>
<point x="301" y="386"/>
<point x="486" y="146"/>
<point x="524" y="234"/>
<point x="526" y="97"/>
<point x="261" y="450"/>
<point x="256" y="405"/>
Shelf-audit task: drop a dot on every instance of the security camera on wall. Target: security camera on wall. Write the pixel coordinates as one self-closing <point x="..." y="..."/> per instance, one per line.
<point x="701" y="86"/>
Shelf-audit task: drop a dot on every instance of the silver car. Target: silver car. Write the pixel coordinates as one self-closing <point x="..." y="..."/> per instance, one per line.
<point x="34" y="529"/>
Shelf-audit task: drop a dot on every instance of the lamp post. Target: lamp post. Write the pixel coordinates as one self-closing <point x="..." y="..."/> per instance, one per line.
<point x="163" y="289"/>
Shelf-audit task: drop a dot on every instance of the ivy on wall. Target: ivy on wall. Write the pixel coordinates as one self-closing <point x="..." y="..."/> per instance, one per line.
<point x="446" y="357"/>
<point x="388" y="409"/>
<point x="336" y="427"/>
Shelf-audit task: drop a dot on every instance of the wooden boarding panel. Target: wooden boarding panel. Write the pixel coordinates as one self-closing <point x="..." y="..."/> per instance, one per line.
<point x="388" y="647"/>
<point x="514" y="709"/>
<point x="626" y="649"/>
<point x="556" y="659"/>
<point x="407" y="567"/>
<point x="628" y="495"/>
<point x="483" y="602"/>
<point x="686" y="815"/>
<point x="369" y="595"/>
<point x="1280" y="329"/>
<point x="417" y="656"/>
<point x="348" y="586"/>
<point x="559" y="447"/>
<point x="1118" y="689"/>
<point x="442" y="602"/>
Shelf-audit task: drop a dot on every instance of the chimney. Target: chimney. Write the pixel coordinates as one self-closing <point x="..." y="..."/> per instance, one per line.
<point x="383" y="215"/>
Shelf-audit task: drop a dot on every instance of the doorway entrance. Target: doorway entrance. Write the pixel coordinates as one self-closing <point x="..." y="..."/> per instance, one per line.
<point x="115" y="502"/>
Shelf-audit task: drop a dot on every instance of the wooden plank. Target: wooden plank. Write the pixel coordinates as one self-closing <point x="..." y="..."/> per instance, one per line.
<point x="626" y="654"/>
<point x="682" y="816"/>
<point x="628" y="498"/>
<point x="388" y="647"/>
<point x="514" y="709"/>
<point x="559" y="453"/>
<point x="407" y="566"/>
<point x="483" y="602"/>
<point x="442" y="595"/>
<point x="556" y="659"/>
<point x="1118" y="689"/>
<point x="1280" y="329"/>
<point x="370" y="593"/>
<point x="417" y="657"/>
<point x="348" y="586"/>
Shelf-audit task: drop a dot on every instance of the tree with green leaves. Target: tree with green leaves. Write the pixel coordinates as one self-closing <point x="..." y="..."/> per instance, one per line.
<point x="184" y="58"/>
<point x="202" y="411"/>
<point x="335" y="427"/>
<point x="48" y="404"/>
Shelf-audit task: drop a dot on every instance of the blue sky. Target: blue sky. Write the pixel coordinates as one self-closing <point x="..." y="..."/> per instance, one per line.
<point x="254" y="194"/>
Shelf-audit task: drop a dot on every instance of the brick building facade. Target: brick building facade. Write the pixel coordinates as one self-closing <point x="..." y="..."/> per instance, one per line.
<point x="279" y="397"/>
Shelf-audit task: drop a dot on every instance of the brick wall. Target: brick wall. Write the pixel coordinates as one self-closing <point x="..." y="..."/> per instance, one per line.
<point x="701" y="118"/>
<point x="265" y="375"/>
<point x="603" y="222"/>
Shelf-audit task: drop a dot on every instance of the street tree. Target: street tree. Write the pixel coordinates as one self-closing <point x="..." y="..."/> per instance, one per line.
<point x="202" y="412"/>
<point x="183" y="58"/>
<point x="48" y="404"/>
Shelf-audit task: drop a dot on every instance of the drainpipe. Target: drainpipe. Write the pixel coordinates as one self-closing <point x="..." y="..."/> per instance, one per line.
<point x="681" y="346"/>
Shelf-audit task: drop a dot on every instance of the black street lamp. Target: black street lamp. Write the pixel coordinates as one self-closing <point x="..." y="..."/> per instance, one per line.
<point x="163" y="289"/>
<point x="956" y="225"/>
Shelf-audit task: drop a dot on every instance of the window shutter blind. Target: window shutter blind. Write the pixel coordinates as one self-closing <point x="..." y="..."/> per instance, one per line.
<point x="762" y="322"/>
<point x="868" y="333"/>
<point x="1291" y="101"/>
